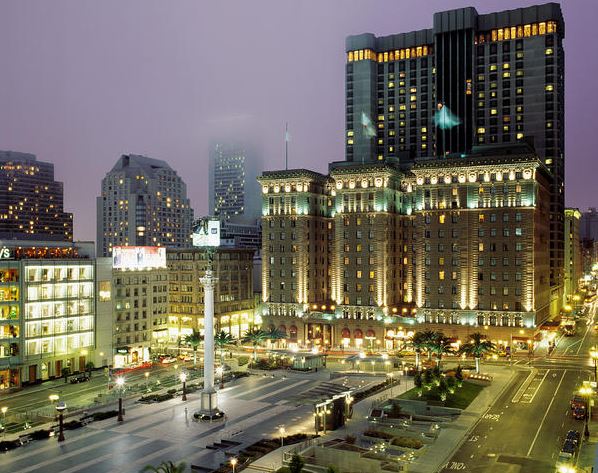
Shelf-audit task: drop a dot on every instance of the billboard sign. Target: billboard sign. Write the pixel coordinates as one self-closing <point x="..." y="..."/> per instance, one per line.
<point x="206" y="232"/>
<point x="138" y="257"/>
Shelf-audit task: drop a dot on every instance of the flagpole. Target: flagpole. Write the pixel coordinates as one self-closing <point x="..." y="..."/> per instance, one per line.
<point x="286" y="146"/>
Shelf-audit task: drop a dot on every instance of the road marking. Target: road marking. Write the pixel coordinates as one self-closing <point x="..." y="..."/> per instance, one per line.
<point x="537" y="388"/>
<point x="524" y="385"/>
<point x="546" y="414"/>
<point x="582" y="340"/>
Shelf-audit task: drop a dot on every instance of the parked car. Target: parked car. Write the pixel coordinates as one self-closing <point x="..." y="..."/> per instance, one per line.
<point x="573" y="436"/>
<point x="79" y="379"/>
<point x="167" y="360"/>
<point x="579" y="413"/>
<point x="577" y="401"/>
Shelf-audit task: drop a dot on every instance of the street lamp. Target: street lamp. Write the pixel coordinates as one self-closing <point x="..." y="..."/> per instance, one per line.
<point x="120" y="383"/>
<point x="281" y="431"/>
<point x="233" y="463"/>
<point x="594" y="355"/>
<point x="391" y="375"/>
<point x="4" y="409"/>
<point x="146" y="374"/>
<point x="183" y="378"/>
<point x="220" y="373"/>
<point x="586" y="391"/>
<point x="60" y="407"/>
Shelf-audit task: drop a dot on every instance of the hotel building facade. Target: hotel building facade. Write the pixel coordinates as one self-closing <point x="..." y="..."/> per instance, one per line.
<point x="371" y="252"/>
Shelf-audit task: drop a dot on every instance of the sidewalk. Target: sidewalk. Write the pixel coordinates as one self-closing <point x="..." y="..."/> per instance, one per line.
<point x="588" y="454"/>
<point x="452" y="435"/>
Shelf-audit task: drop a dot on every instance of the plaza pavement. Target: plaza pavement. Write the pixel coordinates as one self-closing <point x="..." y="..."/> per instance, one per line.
<point x="150" y="434"/>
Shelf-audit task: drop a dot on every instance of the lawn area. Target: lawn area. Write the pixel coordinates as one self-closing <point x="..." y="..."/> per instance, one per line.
<point x="460" y="399"/>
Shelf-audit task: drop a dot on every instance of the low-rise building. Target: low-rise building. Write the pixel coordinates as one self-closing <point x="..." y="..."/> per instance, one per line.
<point x="234" y="304"/>
<point x="47" y="310"/>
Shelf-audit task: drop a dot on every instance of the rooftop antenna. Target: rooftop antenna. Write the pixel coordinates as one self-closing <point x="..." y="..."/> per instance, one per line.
<point x="287" y="138"/>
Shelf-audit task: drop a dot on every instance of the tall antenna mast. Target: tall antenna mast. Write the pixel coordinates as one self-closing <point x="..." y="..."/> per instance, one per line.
<point x="286" y="146"/>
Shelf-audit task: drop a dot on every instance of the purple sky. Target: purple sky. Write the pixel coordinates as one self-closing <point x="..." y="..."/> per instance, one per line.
<point x="82" y="82"/>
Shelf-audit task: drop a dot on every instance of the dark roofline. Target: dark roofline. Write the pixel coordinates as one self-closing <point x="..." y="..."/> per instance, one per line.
<point x="459" y="18"/>
<point x="290" y="173"/>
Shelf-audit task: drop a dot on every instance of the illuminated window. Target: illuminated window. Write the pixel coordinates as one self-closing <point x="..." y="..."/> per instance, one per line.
<point x="549" y="51"/>
<point x="441" y="275"/>
<point x="552" y="26"/>
<point x="481" y="218"/>
<point x="549" y="87"/>
<point x="358" y="274"/>
<point x="372" y="274"/>
<point x="481" y="130"/>
<point x="500" y="34"/>
<point x="441" y="218"/>
<point x="527" y="30"/>
<point x="493" y="67"/>
<point x="391" y="85"/>
<point x="480" y="246"/>
<point x="350" y="133"/>
<point x="519" y="136"/>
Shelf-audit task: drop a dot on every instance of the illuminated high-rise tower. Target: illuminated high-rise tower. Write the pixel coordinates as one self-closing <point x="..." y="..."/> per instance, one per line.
<point x="143" y="203"/>
<point x="31" y="201"/>
<point x="472" y="79"/>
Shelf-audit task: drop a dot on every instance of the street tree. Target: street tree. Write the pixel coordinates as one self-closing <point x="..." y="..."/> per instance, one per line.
<point x="193" y="340"/>
<point x="88" y="367"/>
<point x="221" y="340"/>
<point x="66" y="372"/>
<point x="440" y="345"/>
<point x="296" y="464"/>
<point x="477" y="347"/>
<point x="256" y="337"/>
<point x="166" y="467"/>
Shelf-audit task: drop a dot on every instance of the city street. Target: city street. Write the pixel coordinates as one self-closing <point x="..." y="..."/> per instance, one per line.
<point x="524" y="429"/>
<point x="32" y="401"/>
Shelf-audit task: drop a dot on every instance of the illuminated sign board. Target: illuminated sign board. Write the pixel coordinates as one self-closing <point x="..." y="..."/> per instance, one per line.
<point x="206" y="232"/>
<point x="138" y="257"/>
<point x="6" y="253"/>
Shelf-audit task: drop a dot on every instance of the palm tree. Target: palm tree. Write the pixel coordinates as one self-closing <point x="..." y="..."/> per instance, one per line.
<point x="88" y="367"/>
<point x="273" y="334"/>
<point x="255" y="336"/>
<point x="440" y="345"/>
<point x="194" y="339"/>
<point x="477" y="347"/>
<point x="221" y="339"/>
<point x="166" y="467"/>
<point x="419" y="341"/>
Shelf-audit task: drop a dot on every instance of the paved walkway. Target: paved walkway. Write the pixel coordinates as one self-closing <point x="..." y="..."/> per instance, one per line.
<point x="588" y="455"/>
<point x="437" y="454"/>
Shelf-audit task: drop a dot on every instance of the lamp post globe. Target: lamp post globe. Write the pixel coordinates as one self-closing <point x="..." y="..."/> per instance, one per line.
<point x="183" y="378"/>
<point x="60" y="407"/>
<point x="120" y="383"/>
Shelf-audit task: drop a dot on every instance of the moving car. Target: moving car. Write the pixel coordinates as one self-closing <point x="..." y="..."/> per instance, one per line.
<point x="79" y="379"/>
